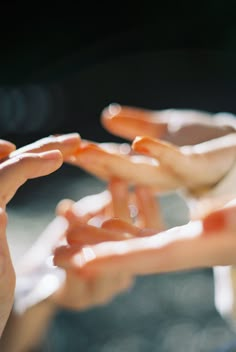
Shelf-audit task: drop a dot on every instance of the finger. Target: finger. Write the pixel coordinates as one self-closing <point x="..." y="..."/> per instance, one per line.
<point x="184" y="163"/>
<point x="86" y="208"/>
<point x="6" y="148"/>
<point x="135" y="169"/>
<point x="166" y="153"/>
<point x="67" y="144"/>
<point x="87" y="234"/>
<point x="125" y="229"/>
<point x="176" y="249"/>
<point x="129" y="122"/>
<point x="219" y="152"/>
<point x="149" y="208"/>
<point x="7" y="274"/>
<point x="181" y="127"/>
<point x="120" y="199"/>
<point x="64" y="207"/>
<point x="62" y="255"/>
<point x="16" y="171"/>
<point x="182" y="248"/>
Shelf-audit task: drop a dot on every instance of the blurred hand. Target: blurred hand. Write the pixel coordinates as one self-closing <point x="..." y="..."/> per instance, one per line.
<point x="85" y="217"/>
<point x="75" y="291"/>
<point x="198" y="244"/>
<point x="17" y="166"/>
<point x="180" y="127"/>
<point x="202" y="171"/>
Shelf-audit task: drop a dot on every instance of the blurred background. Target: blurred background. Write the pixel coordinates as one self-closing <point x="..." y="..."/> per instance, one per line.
<point x="56" y="76"/>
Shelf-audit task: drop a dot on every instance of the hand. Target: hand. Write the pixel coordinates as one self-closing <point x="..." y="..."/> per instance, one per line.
<point x="89" y="212"/>
<point x="70" y="291"/>
<point x="34" y="160"/>
<point x="38" y="159"/>
<point x="79" y="292"/>
<point x="166" y="167"/>
<point x="135" y="173"/>
<point x="180" y="127"/>
<point x="198" y="244"/>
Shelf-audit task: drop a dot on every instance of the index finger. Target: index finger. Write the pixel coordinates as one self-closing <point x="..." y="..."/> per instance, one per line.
<point x="67" y="144"/>
<point x="129" y="122"/>
<point x="134" y="169"/>
<point x="6" y="148"/>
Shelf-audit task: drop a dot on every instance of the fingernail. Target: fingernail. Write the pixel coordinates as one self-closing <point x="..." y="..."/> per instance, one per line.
<point x="214" y="222"/>
<point x="141" y="149"/>
<point x="7" y="145"/>
<point x="69" y="138"/>
<point x="223" y="219"/>
<point x="138" y="145"/>
<point x="112" y="110"/>
<point x="51" y="155"/>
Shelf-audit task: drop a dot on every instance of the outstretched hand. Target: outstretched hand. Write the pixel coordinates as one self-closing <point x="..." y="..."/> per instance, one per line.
<point x="197" y="244"/>
<point x="178" y="126"/>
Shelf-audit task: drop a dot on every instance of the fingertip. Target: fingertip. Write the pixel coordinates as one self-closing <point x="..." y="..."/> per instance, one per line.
<point x="51" y="155"/>
<point x="7" y="145"/>
<point x="110" y="111"/>
<point x="143" y="144"/>
<point x="69" y="138"/>
<point x="138" y="144"/>
<point x="64" y="206"/>
<point x="6" y="148"/>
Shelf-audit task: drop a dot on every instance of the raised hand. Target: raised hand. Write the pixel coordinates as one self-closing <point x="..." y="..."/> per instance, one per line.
<point x="181" y="127"/>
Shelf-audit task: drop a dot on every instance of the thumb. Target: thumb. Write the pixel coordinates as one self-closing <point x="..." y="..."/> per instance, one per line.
<point x="16" y="171"/>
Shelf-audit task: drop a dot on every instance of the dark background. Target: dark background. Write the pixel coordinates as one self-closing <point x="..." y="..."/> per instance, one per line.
<point x="60" y="69"/>
<point x="57" y="73"/>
